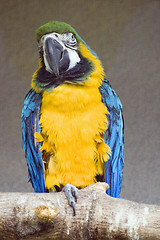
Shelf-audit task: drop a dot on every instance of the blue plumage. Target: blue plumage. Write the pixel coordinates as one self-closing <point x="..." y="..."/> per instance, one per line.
<point x="30" y="125"/>
<point x="114" y="139"/>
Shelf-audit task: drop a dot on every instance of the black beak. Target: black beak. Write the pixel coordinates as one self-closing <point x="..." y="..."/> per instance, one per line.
<point x="57" y="58"/>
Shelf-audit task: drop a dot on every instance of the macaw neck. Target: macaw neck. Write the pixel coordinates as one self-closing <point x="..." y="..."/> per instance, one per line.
<point x="70" y="98"/>
<point x="88" y="72"/>
<point x="43" y="80"/>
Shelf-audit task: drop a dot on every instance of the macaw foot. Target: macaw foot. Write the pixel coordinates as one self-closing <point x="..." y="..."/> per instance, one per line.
<point x="71" y="193"/>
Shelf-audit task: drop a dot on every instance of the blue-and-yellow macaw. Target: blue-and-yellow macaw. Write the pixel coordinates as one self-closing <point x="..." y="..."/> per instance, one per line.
<point x="72" y="124"/>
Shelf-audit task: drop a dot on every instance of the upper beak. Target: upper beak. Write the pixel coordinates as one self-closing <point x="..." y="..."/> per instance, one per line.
<point x="53" y="54"/>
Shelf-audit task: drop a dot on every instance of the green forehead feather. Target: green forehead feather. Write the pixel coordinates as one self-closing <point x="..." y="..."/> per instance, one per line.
<point x="55" y="26"/>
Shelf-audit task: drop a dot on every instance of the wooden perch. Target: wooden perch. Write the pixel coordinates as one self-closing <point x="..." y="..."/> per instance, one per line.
<point x="98" y="216"/>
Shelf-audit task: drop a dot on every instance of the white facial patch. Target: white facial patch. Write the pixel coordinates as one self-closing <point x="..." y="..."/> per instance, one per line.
<point x="73" y="57"/>
<point x="48" y="69"/>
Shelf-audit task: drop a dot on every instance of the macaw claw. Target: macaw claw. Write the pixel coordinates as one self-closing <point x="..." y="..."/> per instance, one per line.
<point x="71" y="193"/>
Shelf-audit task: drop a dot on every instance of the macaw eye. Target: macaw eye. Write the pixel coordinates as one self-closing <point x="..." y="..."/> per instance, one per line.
<point x="42" y="39"/>
<point x="72" y="37"/>
<point x="56" y="35"/>
<point x="40" y="43"/>
<point x="70" y="41"/>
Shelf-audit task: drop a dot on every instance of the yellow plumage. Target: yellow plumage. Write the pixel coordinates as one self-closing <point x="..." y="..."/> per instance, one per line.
<point x="73" y="120"/>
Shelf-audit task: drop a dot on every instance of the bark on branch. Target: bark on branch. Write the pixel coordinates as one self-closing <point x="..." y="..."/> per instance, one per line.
<point x="98" y="216"/>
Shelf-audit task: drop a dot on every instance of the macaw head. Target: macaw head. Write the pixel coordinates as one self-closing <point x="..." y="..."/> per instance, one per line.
<point x="64" y="57"/>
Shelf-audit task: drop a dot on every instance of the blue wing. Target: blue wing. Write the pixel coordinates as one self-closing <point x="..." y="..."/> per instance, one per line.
<point x="114" y="139"/>
<point x="30" y="125"/>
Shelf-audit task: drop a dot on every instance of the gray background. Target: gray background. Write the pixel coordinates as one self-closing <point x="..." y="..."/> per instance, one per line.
<point x="126" y="36"/>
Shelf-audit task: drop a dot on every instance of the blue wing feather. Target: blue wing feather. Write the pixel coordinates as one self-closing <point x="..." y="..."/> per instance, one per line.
<point x="114" y="139"/>
<point x="30" y="125"/>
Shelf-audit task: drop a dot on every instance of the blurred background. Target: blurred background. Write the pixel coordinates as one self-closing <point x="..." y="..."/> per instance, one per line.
<point x="126" y="36"/>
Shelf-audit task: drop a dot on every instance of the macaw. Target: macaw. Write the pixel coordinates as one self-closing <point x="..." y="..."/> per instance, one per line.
<point x="72" y="123"/>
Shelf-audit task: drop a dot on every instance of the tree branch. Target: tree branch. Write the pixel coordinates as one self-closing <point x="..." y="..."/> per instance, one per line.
<point x="98" y="216"/>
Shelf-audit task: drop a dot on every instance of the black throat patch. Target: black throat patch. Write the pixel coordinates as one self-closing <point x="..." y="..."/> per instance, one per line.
<point x="46" y="80"/>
